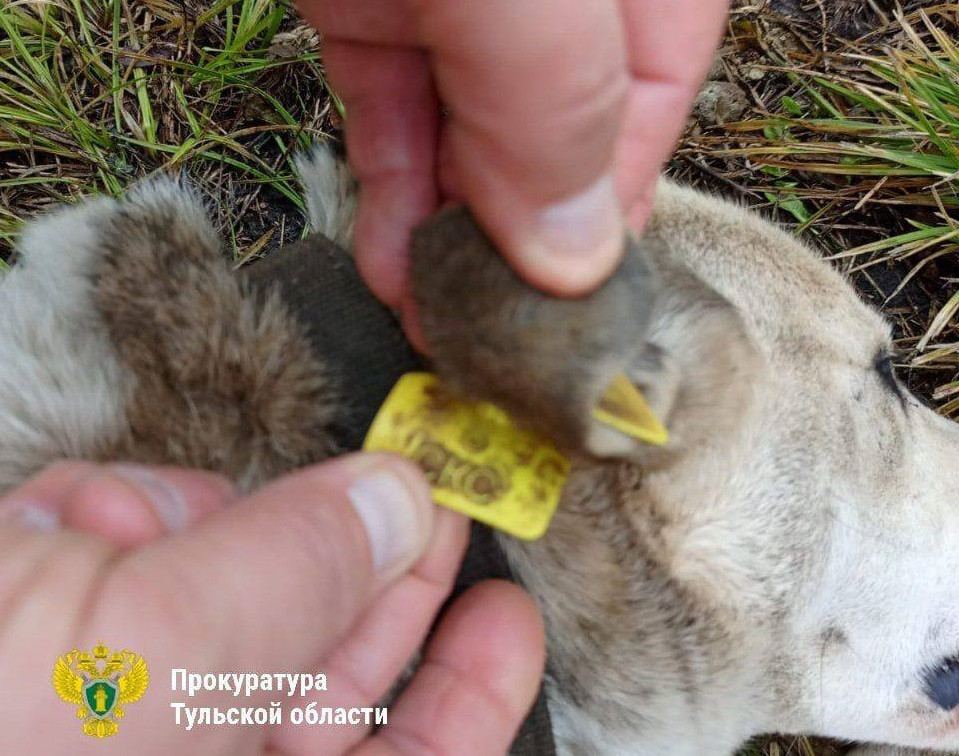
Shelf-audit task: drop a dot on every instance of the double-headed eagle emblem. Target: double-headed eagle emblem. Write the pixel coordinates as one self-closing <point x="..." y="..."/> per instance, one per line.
<point x="98" y="683"/>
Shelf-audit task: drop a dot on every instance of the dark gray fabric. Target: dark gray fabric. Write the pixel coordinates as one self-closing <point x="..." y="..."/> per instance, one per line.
<point x="356" y="336"/>
<point x="364" y="346"/>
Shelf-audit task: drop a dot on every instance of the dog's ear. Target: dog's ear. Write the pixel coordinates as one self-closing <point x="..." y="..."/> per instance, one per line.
<point x="547" y="361"/>
<point x="552" y="362"/>
<point x="698" y="368"/>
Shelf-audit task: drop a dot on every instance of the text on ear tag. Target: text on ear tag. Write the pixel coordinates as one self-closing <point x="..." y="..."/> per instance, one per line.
<point x="477" y="461"/>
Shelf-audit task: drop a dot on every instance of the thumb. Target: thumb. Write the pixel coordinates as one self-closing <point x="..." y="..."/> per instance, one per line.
<point x="537" y="91"/>
<point x="278" y="578"/>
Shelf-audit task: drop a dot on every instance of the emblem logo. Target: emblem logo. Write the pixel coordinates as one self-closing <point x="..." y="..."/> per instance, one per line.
<point x="99" y="683"/>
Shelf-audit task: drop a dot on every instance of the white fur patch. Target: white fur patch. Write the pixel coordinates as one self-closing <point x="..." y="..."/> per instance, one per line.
<point x="62" y="389"/>
<point x="329" y="192"/>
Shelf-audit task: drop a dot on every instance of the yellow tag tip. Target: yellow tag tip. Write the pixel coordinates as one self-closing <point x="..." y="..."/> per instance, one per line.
<point x="624" y="408"/>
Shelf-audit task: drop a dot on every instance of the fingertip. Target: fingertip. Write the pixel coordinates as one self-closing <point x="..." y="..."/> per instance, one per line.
<point x="478" y="679"/>
<point x="389" y="495"/>
<point x="413" y="326"/>
<point x="49" y="486"/>
<point x="642" y="207"/>
<point x="448" y="543"/>
<point x="201" y="491"/>
<point x="494" y="633"/>
<point x="105" y="505"/>
<point x="568" y="273"/>
<point x="567" y="248"/>
<point x="381" y="240"/>
<point x="129" y="505"/>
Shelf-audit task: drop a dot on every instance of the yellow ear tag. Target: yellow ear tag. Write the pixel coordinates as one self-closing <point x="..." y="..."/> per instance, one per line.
<point x="624" y="408"/>
<point x="478" y="462"/>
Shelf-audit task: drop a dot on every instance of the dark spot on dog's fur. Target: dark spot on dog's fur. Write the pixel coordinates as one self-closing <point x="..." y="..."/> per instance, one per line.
<point x="225" y="378"/>
<point x="887" y="371"/>
<point x="833" y="636"/>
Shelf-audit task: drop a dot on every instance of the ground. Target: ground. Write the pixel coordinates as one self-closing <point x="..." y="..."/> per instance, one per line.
<point x="837" y="117"/>
<point x="855" y="144"/>
<point x="108" y="91"/>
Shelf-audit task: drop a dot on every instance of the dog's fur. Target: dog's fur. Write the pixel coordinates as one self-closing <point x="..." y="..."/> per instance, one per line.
<point x="786" y="563"/>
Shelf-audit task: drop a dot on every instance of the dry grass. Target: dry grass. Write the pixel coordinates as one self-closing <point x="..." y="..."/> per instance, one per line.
<point x="97" y="93"/>
<point x="857" y="145"/>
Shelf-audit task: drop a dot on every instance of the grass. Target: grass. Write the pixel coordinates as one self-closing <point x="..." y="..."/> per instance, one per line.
<point x="860" y="147"/>
<point x="96" y="93"/>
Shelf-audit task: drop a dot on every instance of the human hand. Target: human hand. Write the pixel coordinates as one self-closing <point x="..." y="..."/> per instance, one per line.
<point x="338" y="568"/>
<point x="562" y="113"/>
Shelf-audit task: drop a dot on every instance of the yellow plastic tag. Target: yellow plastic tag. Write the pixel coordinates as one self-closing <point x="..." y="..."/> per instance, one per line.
<point x="624" y="408"/>
<point x="478" y="462"/>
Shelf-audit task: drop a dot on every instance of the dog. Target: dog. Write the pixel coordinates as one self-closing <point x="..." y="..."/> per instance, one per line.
<point x="787" y="562"/>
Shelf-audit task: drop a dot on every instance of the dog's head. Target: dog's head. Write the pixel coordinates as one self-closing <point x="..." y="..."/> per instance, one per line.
<point x="836" y="485"/>
<point x="805" y="500"/>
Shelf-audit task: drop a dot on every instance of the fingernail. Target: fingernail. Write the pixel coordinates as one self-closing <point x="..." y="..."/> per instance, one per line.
<point x="392" y="516"/>
<point x="579" y="240"/>
<point x="36" y="518"/>
<point x="167" y="502"/>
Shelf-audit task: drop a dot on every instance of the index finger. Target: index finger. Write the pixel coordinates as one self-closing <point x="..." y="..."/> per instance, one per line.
<point x="478" y="679"/>
<point x="671" y="47"/>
